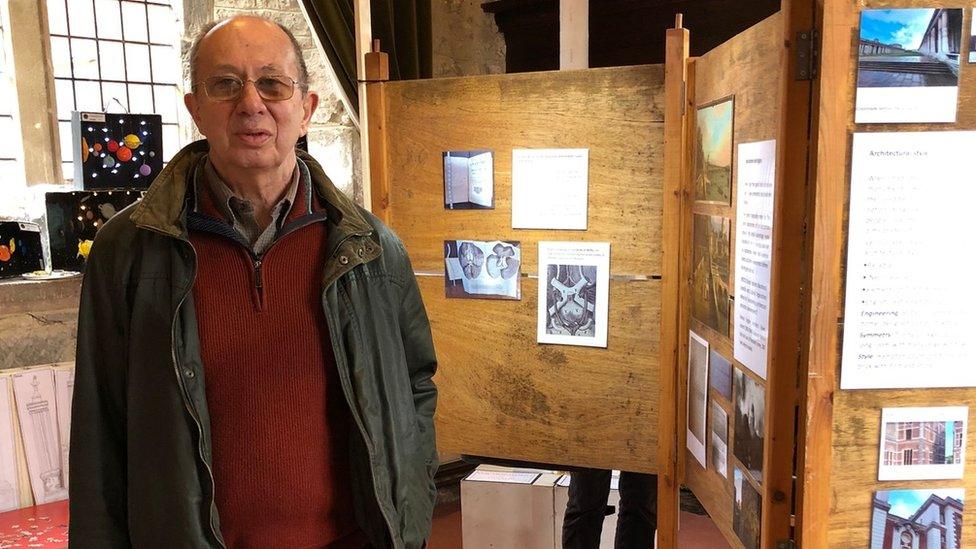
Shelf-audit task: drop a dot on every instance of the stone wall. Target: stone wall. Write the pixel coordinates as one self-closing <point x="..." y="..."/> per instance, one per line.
<point x="466" y="40"/>
<point x="333" y="138"/>
<point x="39" y="321"/>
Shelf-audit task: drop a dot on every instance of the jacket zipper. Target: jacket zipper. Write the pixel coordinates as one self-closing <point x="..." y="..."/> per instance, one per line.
<point x="189" y="406"/>
<point x="347" y="390"/>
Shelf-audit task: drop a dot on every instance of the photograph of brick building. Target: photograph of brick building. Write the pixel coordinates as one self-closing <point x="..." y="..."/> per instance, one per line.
<point x="922" y="443"/>
<point x="917" y="519"/>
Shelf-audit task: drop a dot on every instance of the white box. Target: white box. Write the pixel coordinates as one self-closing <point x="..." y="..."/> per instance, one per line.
<point x="504" y="507"/>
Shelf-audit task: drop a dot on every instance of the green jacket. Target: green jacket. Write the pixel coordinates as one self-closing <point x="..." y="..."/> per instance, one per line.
<point x="140" y="432"/>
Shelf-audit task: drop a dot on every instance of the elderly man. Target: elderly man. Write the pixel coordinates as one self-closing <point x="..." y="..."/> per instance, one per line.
<point x="254" y="360"/>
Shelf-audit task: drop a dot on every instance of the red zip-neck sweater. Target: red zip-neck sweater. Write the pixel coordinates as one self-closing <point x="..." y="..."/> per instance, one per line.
<point x="278" y="417"/>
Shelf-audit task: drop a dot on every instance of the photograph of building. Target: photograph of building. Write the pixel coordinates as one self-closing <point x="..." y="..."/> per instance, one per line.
<point x="712" y="161"/>
<point x="710" y="271"/>
<point x="909" y="48"/>
<point x="749" y="423"/>
<point x="923" y="443"/>
<point x="917" y="519"/>
<point x="746" y="511"/>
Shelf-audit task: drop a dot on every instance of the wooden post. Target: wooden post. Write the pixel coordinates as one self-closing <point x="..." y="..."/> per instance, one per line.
<point x="363" y="38"/>
<point x="31" y="62"/>
<point x="574" y="34"/>
<point x="675" y="133"/>
<point x="831" y="101"/>
<point x="788" y="282"/>
<point x="377" y="66"/>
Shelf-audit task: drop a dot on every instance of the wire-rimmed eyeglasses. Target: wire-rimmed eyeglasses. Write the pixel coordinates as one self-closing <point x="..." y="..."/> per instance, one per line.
<point x="231" y="88"/>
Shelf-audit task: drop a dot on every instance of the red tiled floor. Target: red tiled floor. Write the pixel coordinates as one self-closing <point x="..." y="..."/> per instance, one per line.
<point x="699" y="532"/>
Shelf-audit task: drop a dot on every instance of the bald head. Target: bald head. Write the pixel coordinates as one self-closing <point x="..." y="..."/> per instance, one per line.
<point x="245" y="25"/>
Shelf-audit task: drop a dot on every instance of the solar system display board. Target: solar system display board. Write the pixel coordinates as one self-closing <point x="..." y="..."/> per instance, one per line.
<point x="74" y="217"/>
<point x="120" y="151"/>
<point x="20" y="248"/>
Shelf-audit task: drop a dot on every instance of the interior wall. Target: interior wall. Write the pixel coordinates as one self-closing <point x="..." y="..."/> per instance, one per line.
<point x="466" y="40"/>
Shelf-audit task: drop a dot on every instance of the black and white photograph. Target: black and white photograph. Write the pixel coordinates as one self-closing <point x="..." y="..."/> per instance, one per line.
<point x="747" y="511"/>
<point x="750" y="422"/>
<point x="469" y="180"/>
<point x="573" y="293"/>
<point x="908" y="65"/>
<point x="697" y="395"/>
<point x="478" y="269"/>
<point x="720" y="374"/>
<point x="929" y="518"/>
<point x="923" y="443"/>
<point x="719" y="421"/>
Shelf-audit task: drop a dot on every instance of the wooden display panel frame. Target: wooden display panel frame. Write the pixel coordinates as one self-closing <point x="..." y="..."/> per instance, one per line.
<point x="840" y="429"/>
<point x="827" y="438"/>
<point x="560" y="405"/>
<point x="755" y="68"/>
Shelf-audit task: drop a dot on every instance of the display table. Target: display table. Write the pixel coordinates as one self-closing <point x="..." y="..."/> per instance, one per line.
<point x="44" y="526"/>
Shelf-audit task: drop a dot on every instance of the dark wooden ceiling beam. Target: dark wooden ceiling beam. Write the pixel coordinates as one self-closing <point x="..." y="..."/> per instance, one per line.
<point x="622" y="32"/>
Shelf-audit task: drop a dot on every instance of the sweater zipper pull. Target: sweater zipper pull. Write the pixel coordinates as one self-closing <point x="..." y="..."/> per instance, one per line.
<point x="258" y="281"/>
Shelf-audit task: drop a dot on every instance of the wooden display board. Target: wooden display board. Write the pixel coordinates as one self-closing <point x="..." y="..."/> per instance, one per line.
<point x="505" y="396"/>
<point x="753" y="71"/>
<point x="501" y="394"/>
<point x="840" y="429"/>
<point x="827" y="437"/>
<point x="745" y="69"/>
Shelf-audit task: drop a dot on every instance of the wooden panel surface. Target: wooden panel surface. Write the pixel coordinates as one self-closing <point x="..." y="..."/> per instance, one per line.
<point x="845" y="425"/>
<point x="502" y="395"/>
<point x="748" y="68"/>
<point x="616" y="113"/>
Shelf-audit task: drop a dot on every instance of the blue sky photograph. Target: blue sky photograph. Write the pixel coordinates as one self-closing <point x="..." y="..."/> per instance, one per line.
<point x="903" y="27"/>
<point x="904" y="503"/>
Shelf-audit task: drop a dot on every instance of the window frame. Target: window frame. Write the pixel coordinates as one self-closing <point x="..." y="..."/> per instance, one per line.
<point x="175" y="125"/>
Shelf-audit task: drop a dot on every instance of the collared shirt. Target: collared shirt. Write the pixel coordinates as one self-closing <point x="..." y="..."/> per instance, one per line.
<point x="239" y="212"/>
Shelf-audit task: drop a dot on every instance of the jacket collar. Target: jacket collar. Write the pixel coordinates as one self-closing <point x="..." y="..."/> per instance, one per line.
<point x="163" y="209"/>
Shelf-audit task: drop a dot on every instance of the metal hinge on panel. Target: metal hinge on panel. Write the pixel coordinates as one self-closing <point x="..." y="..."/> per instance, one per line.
<point x="787" y="544"/>
<point x="807" y="50"/>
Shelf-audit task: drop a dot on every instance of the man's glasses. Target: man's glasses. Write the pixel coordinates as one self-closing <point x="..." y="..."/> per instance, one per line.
<point x="230" y="88"/>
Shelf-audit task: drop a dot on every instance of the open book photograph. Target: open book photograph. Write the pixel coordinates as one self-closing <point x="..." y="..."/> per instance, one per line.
<point x="469" y="182"/>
